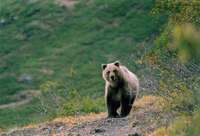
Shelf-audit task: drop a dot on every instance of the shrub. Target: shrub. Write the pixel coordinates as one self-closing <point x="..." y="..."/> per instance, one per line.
<point x="76" y="104"/>
<point x="179" y="97"/>
<point x="183" y="126"/>
<point x="180" y="11"/>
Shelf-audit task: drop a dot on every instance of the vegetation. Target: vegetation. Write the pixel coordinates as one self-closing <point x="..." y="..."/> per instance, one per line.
<point x="181" y="40"/>
<point x="57" y="51"/>
<point x="180" y="11"/>
<point x="61" y="51"/>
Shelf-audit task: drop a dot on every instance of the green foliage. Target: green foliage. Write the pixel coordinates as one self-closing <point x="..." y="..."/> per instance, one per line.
<point x="93" y="105"/>
<point x="182" y="39"/>
<point x="193" y="128"/>
<point x="182" y="126"/>
<point x="186" y="40"/>
<point x="55" y="102"/>
<point x="181" y="11"/>
<point x="182" y="30"/>
<point x="22" y="115"/>
<point x="179" y="39"/>
<point x="178" y="96"/>
<point x="50" y="98"/>
<point x="25" y="25"/>
<point x="62" y="50"/>
<point x="78" y="105"/>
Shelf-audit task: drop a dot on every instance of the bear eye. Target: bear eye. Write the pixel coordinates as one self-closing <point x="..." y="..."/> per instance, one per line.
<point x="115" y="71"/>
<point x="108" y="72"/>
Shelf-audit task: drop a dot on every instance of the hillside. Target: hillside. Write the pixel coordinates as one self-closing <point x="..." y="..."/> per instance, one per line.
<point x="52" y="51"/>
<point x="147" y="116"/>
<point x="50" y="48"/>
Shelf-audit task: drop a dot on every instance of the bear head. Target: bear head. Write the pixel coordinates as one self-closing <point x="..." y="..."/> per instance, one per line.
<point x="112" y="72"/>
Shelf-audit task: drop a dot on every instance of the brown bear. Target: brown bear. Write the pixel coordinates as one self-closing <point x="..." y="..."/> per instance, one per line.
<point x="121" y="89"/>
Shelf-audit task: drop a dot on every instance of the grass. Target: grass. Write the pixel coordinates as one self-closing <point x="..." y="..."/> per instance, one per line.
<point x="21" y="115"/>
<point x="53" y="44"/>
<point x="184" y="126"/>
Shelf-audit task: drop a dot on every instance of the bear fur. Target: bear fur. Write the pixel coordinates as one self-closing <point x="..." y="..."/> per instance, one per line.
<point x="121" y="89"/>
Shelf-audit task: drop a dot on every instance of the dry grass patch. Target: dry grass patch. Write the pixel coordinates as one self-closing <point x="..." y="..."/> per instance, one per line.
<point x="72" y="120"/>
<point x="160" y="132"/>
<point x="155" y="103"/>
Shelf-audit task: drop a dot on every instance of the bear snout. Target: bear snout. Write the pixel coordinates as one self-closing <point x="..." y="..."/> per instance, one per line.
<point x="112" y="77"/>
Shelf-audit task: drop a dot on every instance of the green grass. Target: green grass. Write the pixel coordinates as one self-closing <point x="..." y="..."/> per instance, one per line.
<point x="40" y="36"/>
<point x="22" y="115"/>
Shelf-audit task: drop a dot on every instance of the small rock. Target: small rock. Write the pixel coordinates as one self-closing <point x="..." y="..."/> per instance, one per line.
<point x="99" y="130"/>
<point x="25" y="78"/>
<point x="32" y="1"/>
<point x="59" y="124"/>
<point x="2" y="22"/>
<point x="61" y="128"/>
<point x="109" y="120"/>
<point x="15" y="18"/>
<point x="135" y="134"/>
<point x="135" y="123"/>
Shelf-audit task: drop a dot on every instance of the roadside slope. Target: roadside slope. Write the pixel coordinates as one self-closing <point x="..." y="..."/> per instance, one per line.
<point x="148" y="114"/>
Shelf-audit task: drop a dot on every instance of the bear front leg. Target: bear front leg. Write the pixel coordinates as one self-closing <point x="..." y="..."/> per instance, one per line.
<point x="127" y="102"/>
<point x="112" y="107"/>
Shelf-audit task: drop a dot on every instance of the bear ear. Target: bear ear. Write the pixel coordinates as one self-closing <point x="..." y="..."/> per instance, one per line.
<point x="103" y="66"/>
<point x="117" y="63"/>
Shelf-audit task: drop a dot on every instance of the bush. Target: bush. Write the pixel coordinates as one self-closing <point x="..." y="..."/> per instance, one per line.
<point x="180" y="11"/>
<point x="186" y="40"/>
<point x="178" y="96"/>
<point x="76" y="104"/>
<point x="183" y="126"/>
<point x="179" y="39"/>
<point x="54" y="103"/>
